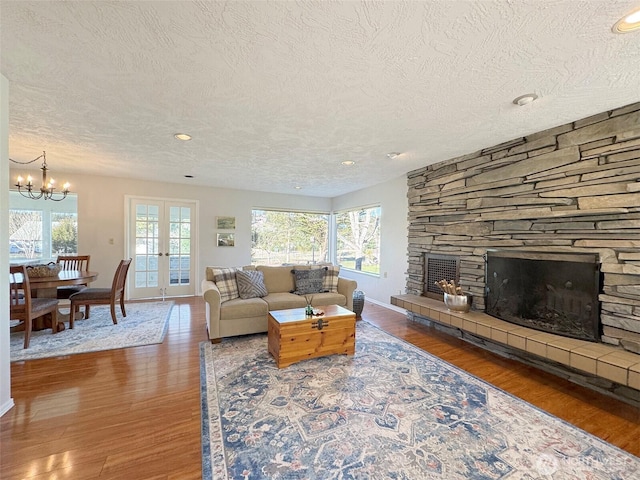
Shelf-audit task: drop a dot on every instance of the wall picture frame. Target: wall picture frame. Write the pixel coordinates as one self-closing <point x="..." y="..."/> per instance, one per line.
<point x="226" y="240"/>
<point x="226" y="223"/>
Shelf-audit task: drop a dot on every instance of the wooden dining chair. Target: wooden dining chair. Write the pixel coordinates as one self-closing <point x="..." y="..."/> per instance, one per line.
<point x="103" y="296"/>
<point x="23" y="307"/>
<point x="73" y="262"/>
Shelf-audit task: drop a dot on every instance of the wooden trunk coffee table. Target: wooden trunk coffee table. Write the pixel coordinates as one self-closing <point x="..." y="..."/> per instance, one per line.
<point x="294" y="336"/>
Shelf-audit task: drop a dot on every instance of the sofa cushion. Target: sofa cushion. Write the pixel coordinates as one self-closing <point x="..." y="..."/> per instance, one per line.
<point x="243" y="308"/>
<point x="225" y="280"/>
<point x="250" y="284"/>
<point x="329" y="298"/>
<point x="308" y="281"/>
<point x="278" y="279"/>
<point x="284" y="301"/>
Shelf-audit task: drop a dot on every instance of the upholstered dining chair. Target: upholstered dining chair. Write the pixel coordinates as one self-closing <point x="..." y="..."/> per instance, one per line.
<point x="73" y="262"/>
<point x="23" y="307"/>
<point x="102" y="296"/>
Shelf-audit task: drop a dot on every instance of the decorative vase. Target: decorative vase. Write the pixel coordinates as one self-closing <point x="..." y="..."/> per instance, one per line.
<point x="309" y="310"/>
<point x="458" y="303"/>
<point x="358" y="302"/>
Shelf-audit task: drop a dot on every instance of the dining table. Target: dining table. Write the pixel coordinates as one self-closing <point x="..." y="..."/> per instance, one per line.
<point x="46" y="287"/>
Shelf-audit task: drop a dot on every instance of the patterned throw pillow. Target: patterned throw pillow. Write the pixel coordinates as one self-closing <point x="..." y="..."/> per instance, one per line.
<point x="308" y="281"/>
<point x="251" y="284"/>
<point x="225" y="280"/>
<point x="330" y="283"/>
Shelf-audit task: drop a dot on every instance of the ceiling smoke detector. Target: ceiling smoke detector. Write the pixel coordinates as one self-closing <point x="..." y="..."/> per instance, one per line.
<point x="525" y="99"/>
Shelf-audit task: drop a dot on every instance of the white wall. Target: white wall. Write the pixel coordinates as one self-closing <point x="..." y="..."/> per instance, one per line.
<point x="392" y="197"/>
<point x="101" y="216"/>
<point x="101" y="207"/>
<point x="6" y="402"/>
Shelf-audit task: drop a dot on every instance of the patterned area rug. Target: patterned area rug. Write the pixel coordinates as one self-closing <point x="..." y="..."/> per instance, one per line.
<point x="145" y="323"/>
<point x="391" y="411"/>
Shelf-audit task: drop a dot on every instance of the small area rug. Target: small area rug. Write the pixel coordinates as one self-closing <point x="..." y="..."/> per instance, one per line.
<point x="391" y="411"/>
<point x="146" y="323"/>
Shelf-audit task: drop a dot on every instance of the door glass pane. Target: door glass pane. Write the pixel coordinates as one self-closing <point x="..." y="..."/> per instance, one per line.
<point x="174" y="214"/>
<point x="141" y="262"/>
<point x="141" y="279"/>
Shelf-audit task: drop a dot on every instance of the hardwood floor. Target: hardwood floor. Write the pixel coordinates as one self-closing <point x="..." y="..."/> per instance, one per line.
<point x="135" y="413"/>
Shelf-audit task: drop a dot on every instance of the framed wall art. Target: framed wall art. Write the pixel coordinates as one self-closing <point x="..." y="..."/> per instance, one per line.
<point x="226" y="240"/>
<point x="226" y="223"/>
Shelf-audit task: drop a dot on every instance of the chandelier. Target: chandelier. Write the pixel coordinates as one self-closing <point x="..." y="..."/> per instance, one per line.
<point x="47" y="189"/>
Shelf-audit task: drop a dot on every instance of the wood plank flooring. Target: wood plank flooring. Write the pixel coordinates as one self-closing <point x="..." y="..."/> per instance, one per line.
<point x="135" y="413"/>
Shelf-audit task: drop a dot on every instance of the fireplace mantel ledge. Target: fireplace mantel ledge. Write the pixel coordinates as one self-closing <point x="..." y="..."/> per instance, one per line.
<point x="598" y="359"/>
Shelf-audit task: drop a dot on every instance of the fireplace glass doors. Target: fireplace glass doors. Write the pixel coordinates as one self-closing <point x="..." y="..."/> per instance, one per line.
<point x="552" y="292"/>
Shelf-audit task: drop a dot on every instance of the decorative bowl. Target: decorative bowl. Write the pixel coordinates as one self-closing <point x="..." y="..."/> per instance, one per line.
<point x="458" y="303"/>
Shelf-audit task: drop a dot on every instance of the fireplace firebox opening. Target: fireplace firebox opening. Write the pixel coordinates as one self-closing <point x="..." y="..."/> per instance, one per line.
<point x="551" y="292"/>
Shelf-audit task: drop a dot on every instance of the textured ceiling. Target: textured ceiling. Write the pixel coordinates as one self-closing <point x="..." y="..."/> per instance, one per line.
<point x="278" y="94"/>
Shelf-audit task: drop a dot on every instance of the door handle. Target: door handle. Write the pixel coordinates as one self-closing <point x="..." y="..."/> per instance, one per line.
<point x="159" y="254"/>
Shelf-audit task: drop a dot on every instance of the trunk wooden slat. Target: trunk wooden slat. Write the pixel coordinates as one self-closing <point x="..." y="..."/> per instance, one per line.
<point x="294" y="336"/>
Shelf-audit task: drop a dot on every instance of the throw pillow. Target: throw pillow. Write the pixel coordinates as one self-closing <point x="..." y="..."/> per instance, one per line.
<point x="251" y="284"/>
<point x="308" y="281"/>
<point x="330" y="283"/>
<point x="225" y="280"/>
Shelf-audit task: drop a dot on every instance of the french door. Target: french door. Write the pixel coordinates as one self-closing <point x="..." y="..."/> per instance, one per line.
<point x="162" y="244"/>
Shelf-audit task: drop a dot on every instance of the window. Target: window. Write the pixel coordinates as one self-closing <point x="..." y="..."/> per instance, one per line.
<point x="279" y="237"/>
<point x="358" y="239"/>
<point x="42" y="229"/>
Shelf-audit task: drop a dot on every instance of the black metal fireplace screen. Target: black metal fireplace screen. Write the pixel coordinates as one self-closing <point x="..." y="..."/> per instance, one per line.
<point x="552" y="292"/>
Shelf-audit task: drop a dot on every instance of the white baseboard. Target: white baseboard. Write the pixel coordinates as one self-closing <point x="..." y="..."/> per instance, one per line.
<point x="8" y="405"/>
<point x="387" y="305"/>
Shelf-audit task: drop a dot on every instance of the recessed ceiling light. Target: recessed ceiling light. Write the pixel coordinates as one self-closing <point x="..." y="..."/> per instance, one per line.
<point x="297" y="187"/>
<point x="392" y="155"/>
<point x="525" y="99"/>
<point x="348" y="163"/>
<point x="183" y="136"/>
<point x="628" y="23"/>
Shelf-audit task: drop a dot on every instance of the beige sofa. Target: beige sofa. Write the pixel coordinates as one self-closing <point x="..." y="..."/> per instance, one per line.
<point x="244" y="316"/>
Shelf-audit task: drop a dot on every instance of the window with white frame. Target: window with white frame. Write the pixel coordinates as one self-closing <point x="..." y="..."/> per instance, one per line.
<point x="289" y="237"/>
<point x="358" y="239"/>
<point x="42" y="229"/>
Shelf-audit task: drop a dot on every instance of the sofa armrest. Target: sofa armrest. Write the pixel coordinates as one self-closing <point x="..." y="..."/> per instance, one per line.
<point x="211" y="296"/>
<point x="346" y="287"/>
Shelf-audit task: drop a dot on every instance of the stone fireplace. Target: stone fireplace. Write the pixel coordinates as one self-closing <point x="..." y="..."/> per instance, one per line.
<point x="573" y="189"/>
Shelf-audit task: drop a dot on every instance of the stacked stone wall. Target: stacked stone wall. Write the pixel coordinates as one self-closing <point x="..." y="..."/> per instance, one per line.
<point x="571" y="188"/>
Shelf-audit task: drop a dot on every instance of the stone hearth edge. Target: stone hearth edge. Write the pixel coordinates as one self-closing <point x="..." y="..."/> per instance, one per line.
<point x="605" y="368"/>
